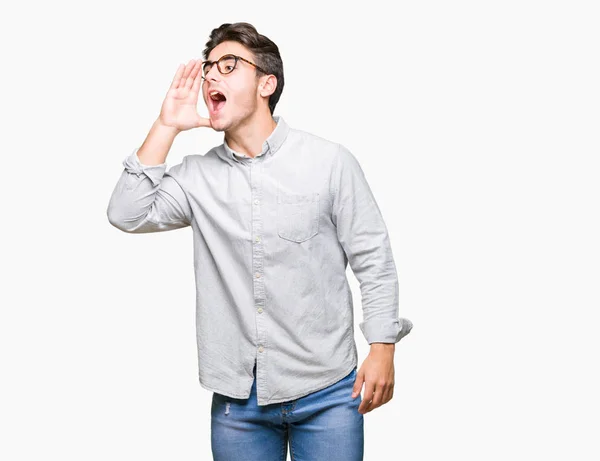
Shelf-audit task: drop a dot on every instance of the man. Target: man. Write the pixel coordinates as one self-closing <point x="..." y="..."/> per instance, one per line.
<point x="276" y="213"/>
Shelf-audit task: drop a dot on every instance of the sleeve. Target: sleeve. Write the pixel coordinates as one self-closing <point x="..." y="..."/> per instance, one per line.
<point x="363" y="235"/>
<point x="147" y="198"/>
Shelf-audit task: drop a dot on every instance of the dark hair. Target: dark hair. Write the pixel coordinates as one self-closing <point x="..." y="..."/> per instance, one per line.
<point x="264" y="51"/>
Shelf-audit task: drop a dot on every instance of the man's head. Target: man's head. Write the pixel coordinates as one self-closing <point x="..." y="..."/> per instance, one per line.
<point x="251" y="87"/>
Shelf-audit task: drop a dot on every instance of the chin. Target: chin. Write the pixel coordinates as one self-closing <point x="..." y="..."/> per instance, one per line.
<point x="218" y="124"/>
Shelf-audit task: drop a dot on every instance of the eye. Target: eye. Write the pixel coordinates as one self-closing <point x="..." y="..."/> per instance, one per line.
<point x="227" y="63"/>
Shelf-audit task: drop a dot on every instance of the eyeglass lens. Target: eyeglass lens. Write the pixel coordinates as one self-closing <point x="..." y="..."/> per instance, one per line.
<point x="226" y="65"/>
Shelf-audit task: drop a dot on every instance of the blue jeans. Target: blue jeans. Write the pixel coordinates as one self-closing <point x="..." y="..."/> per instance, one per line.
<point x="322" y="426"/>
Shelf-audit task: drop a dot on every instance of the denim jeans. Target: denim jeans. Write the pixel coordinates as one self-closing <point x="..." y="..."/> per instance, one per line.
<point x="322" y="426"/>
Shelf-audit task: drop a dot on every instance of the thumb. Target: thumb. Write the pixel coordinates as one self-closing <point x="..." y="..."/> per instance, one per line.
<point x="358" y="384"/>
<point x="203" y="122"/>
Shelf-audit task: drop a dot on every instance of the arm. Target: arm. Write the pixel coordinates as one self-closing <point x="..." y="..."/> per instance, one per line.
<point x="146" y="197"/>
<point x="364" y="237"/>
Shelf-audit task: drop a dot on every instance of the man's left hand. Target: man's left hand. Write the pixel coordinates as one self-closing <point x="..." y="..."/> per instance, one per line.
<point x="377" y="373"/>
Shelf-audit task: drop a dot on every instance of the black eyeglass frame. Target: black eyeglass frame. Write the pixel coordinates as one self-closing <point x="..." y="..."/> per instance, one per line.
<point x="234" y="65"/>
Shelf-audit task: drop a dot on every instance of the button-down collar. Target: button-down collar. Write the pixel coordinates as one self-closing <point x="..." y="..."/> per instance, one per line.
<point x="269" y="147"/>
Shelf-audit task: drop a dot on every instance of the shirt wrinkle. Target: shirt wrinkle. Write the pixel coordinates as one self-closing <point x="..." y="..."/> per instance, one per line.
<point x="272" y="238"/>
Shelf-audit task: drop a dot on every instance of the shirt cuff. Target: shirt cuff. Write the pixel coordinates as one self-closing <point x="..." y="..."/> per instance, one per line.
<point x="154" y="172"/>
<point x="380" y="331"/>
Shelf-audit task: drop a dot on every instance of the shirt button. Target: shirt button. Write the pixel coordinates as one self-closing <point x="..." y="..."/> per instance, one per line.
<point x="257" y="275"/>
<point x="260" y="349"/>
<point x="257" y="239"/>
<point x="260" y="309"/>
<point x="256" y="202"/>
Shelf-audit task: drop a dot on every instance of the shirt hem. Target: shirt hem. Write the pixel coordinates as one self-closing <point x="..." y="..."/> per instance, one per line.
<point x="228" y="394"/>
<point x="282" y="399"/>
<point x="305" y="393"/>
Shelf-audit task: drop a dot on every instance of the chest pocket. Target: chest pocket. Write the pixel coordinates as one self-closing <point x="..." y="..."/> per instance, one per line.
<point x="297" y="216"/>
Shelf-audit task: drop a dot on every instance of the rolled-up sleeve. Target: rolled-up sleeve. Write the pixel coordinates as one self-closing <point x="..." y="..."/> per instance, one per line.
<point x="147" y="198"/>
<point x="364" y="237"/>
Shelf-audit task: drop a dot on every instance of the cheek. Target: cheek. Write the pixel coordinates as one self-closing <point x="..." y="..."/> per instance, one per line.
<point x="244" y="95"/>
<point x="239" y="99"/>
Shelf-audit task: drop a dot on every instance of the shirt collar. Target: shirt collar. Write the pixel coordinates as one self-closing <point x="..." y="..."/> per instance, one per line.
<point x="269" y="147"/>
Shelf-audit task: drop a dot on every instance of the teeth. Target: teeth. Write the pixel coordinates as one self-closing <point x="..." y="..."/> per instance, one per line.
<point x="213" y="94"/>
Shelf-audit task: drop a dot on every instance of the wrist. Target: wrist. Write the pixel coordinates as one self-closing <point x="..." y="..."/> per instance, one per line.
<point x="383" y="346"/>
<point x="166" y="129"/>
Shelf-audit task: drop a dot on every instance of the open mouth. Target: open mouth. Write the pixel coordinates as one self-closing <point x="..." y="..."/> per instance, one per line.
<point x="217" y="100"/>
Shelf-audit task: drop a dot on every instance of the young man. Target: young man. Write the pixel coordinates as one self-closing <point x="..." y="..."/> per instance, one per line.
<point x="276" y="213"/>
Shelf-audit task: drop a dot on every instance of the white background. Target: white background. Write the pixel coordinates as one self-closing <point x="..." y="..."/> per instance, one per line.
<point x="476" y="123"/>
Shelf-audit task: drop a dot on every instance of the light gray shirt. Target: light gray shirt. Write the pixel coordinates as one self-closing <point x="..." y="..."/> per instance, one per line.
<point x="272" y="237"/>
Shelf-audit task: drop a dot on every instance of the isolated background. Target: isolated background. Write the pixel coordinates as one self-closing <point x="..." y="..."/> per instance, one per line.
<point x="476" y="124"/>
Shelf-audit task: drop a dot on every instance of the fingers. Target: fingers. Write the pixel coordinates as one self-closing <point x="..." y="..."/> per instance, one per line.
<point x="182" y="74"/>
<point x="366" y="403"/>
<point x="186" y="73"/>
<point x="193" y="76"/>
<point x="203" y="121"/>
<point x="177" y="78"/>
<point x="388" y="395"/>
<point x="197" y="79"/>
<point x="358" y="383"/>
<point x="375" y="396"/>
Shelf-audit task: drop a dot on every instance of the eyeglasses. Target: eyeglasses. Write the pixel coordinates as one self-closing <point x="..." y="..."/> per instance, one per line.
<point x="225" y="65"/>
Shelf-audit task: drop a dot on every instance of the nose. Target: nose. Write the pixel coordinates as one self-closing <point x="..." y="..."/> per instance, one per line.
<point x="211" y="73"/>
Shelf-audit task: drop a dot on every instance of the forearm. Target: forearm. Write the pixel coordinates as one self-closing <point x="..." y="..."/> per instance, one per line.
<point x="156" y="146"/>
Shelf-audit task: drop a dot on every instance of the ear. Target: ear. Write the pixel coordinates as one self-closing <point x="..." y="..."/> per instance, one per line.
<point x="267" y="86"/>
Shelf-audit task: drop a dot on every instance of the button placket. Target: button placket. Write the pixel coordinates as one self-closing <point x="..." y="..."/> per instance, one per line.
<point x="256" y="170"/>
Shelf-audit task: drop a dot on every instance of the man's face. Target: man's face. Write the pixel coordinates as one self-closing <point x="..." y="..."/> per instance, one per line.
<point x="239" y="88"/>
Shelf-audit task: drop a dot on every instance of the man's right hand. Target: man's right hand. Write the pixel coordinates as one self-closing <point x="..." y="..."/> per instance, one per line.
<point x="179" y="109"/>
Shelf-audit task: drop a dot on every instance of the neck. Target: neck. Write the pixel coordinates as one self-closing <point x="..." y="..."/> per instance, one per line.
<point x="248" y="137"/>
